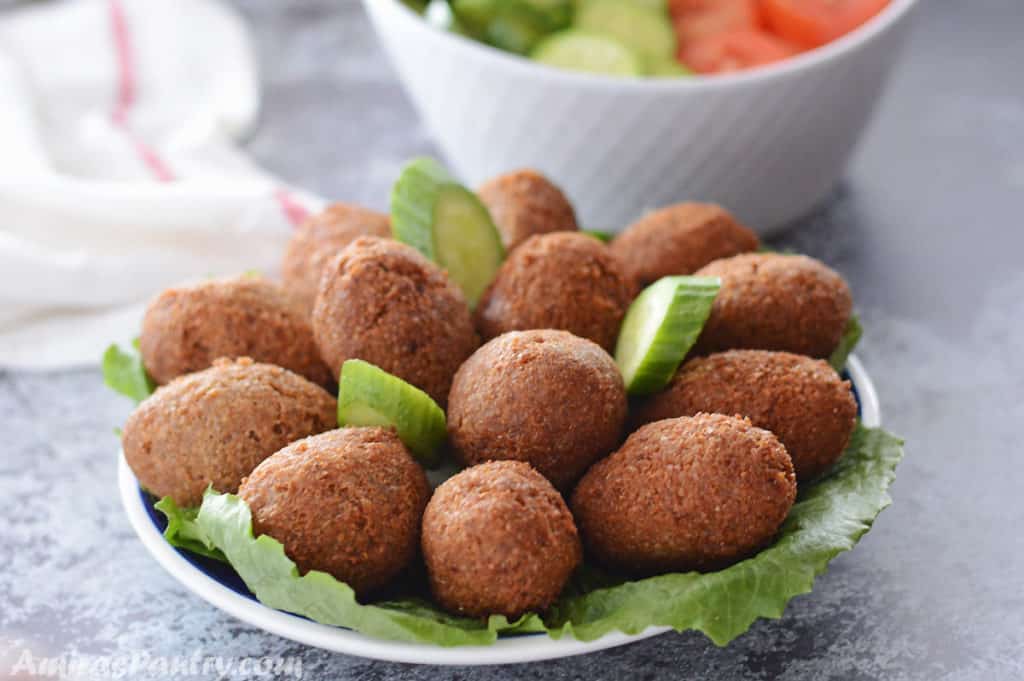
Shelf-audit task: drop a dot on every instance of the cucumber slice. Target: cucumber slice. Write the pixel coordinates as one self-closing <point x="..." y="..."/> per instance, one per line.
<point x="653" y="5"/>
<point x="667" y="68"/>
<point x="447" y="223"/>
<point x="418" y="6"/>
<point x="517" y="28"/>
<point x="557" y="13"/>
<point x="660" y="327"/>
<point x="646" y="32"/>
<point x="579" y="51"/>
<point x="512" y="25"/>
<point x="474" y="15"/>
<point x="370" y="396"/>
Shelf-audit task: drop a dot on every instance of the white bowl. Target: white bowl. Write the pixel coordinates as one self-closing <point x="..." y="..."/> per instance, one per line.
<point x="222" y="588"/>
<point x="768" y="144"/>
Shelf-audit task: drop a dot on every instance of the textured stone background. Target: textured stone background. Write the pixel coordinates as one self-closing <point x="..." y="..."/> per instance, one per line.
<point x="927" y="228"/>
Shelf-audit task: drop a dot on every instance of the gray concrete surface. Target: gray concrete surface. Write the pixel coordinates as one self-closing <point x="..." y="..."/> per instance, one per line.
<point x="927" y="228"/>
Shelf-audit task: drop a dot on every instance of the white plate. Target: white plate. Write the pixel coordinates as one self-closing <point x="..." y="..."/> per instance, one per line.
<point x="521" y="648"/>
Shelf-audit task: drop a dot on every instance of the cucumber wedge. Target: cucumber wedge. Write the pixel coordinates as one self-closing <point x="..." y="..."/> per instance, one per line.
<point x="581" y="51"/>
<point x="447" y="223"/>
<point x="647" y="32"/>
<point x="660" y="327"/>
<point x="370" y="396"/>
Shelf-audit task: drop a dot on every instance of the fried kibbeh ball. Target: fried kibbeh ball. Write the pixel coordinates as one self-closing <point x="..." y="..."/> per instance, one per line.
<point x="680" y="239"/>
<point x="186" y="328"/>
<point x="523" y="203"/>
<point x="546" y="397"/>
<point x="383" y="302"/>
<point x="347" y="502"/>
<point x="320" y="238"/>
<point x="563" y="280"/>
<point x="214" y="426"/>
<point x="801" y="400"/>
<point x="769" y="301"/>
<point x="498" y="539"/>
<point x="689" y="493"/>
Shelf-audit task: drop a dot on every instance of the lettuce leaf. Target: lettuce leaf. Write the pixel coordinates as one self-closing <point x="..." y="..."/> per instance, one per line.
<point x="184" y="532"/>
<point x="124" y="372"/>
<point x="851" y="336"/>
<point x="828" y="518"/>
<point x="600" y="235"/>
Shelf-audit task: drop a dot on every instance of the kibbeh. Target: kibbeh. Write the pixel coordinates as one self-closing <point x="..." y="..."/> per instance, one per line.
<point x="214" y="426"/>
<point x="546" y="397"/>
<point x="186" y="328"/>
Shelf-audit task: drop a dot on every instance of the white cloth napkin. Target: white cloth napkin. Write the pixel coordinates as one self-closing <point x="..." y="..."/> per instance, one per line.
<point x="118" y="170"/>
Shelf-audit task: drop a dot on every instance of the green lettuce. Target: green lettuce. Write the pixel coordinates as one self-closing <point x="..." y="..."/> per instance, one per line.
<point x="184" y="532"/>
<point x="851" y="336"/>
<point x="827" y="519"/>
<point x="600" y="235"/>
<point x="124" y="372"/>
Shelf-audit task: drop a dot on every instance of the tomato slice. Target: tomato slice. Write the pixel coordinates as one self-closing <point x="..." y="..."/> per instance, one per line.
<point x="812" y="23"/>
<point x="736" y="50"/>
<point x="697" y="19"/>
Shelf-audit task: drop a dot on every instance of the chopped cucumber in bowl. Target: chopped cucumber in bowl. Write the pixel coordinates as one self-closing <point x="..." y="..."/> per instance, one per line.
<point x="591" y="52"/>
<point x="624" y="38"/>
<point x="646" y="32"/>
<point x="512" y="25"/>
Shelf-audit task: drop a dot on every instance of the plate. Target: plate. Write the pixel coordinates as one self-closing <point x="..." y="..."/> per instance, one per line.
<point x="218" y="584"/>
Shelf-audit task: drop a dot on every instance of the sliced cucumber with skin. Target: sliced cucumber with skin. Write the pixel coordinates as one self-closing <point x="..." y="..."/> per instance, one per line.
<point x="558" y="13"/>
<point x="582" y="51"/>
<point x="370" y="396"/>
<point x="646" y="32"/>
<point x="512" y="25"/>
<point x="653" y="5"/>
<point x="474" y="15"/>
<point x="446" y="222"/>
<point x="667" y="68"/>
<point x="517" y="29"/>
<point x="418" y="6"/>
<point x="660" y="327"/>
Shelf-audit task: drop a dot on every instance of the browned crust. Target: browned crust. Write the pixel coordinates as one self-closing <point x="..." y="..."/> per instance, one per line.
<point x="498" y="539"/>
<point x="186" y="328"/>
<point x="563" y="280"/>
<point x="802" y="400"/>
<point x="681" y="239"/>
<point x="524" y="203"/>
<point x="320" y="238"/>
<point x="769" y="301"/>
<point x="213" y="427"/>
<point x="546" y="397"/>
<point x="347" y="502"/>
<point x="383" y="302"/>
<point x="691" y="493"/>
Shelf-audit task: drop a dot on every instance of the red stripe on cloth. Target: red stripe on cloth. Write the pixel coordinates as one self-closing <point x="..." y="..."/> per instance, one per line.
<point x="152" y="160"/>
<point x="125" y="63"/>
<point x="293" y="210"/>
<point x="126" y="88"/>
